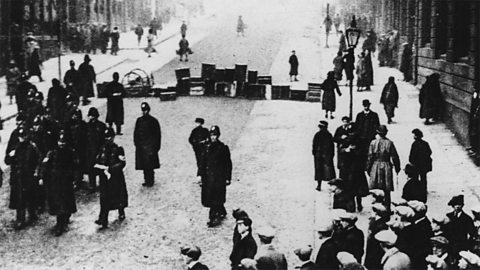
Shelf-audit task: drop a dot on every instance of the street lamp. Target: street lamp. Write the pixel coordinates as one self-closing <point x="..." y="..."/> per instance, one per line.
<point x="352" y="37"/>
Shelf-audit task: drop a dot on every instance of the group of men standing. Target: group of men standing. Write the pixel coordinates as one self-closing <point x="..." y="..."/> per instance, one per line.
<point x="88" y="38"/>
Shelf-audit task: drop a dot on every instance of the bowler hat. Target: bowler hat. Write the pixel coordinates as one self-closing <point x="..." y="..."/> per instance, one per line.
<point x="193" y="252"/>
<point x="366" y="102"/>
<point x="323" y="123"/>
<point x="199" y="120"/>
<point x="382" y="129"/>
<point x="456" y="200"/>
<point x="93" y="112"/>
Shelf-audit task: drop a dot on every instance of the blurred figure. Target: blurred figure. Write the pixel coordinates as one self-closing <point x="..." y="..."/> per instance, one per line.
<point x="183" y="29"/>
<point x="150" y="38"/>
<point x="406" y="62"/>
<point x="114" y="91"/>
<point x="115" y="36"/>
<point x="87" y="79"/>
<point x="13" y="78"/>
<point x="336" y="22"/>
<point x="104" y="38"/>
<point x="389" y="98"/>
<point x="328" y="27"/>
<point x="338" y="65"/>
<point x="139" y="33"/>
<point x="240" y="27"/>
<point x="329" y="86"/>
<point x="184" y="50"/>
<point x="73" y="81"/>
<point x="431" y="99"/>
<point x="35" y="63"/>
<point x="199" y="138"/>
<point x="323" y="151"/>
<point x="56" y="99"/>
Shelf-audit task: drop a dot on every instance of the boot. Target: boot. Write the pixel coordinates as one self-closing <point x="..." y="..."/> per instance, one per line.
<point x="119" y="130"/>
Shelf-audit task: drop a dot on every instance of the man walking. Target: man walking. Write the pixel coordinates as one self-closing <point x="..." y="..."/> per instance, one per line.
<point x="139" y="33"/>
<point x="366" y="123"/>
<point x="87" y="78"/>
<point x="198" y="139"/>
<point x="216" y="173"/>
<point x="420" y="156"/>
<point x="96" y="137"/>
<point x="72" y="80"/>
<point x="115" y="92"/>
<point x="147" y="139"/>
<point x="323" y="151"/>
<point x="293" y="60"/>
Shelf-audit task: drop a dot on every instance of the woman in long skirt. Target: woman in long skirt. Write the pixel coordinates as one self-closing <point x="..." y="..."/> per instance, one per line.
<point x="328" y="100"/>
<point x="389" y="98"/>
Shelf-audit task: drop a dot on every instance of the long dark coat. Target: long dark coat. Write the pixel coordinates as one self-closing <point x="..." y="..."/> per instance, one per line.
<point x="414" y="190"/>
<point x="374" y="252"/>
<point x="215" y="171"/>
<point x="115" y="112"/>
<point x="13" y="74"/>
<point x="328" y="98"/>
<point x="293" y="60"/>
<point x="75" y="131"/>
<point x="72" y="81"/>
<point x="389" y="98"/>
<point x="431" y="98"/>
<point x="21" y="94"/>
<point x="147" y="139"/>
<point x="460" y="232"/>
<point x="113" y="191"/>
<point x="327" y="256"/>
<point x="351" y="166"/>
<point x="421" y="244"/>
<point x="23" y="185"/>
<point x="323" y="151"/>
<point x="58" y="170"/>
<point x="34" y="63"/>
<point x="95" y="134"/>
<point x="198" y="139"/>
<point x="368" y="69"/>
<point x="87" y="78"/>
<point x="244" y="248"/>
<point x="420" y="156"/>
<point x="366" y="125"/>
<point x="56" y="101"/>
<point x="338" y="67"/>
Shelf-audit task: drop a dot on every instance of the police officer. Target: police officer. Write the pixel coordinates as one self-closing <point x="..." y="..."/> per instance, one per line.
<point x="24" y="160"/>
<point x="113" y="190"/>
<point x="115" y="93"/>
<point x="147" y="139"/>
<point x="95" y="138"/>
<point x="216" y="173"/>
<point x="22" y="92"/>
<point x="75" y="131"/>
<point x="198" y="139"/>
<point x="40" y="138"/>
<point x="58" y="176"/>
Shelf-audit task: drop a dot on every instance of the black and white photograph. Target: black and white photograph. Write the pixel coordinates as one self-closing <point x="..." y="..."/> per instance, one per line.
<point x="240" y="134"/>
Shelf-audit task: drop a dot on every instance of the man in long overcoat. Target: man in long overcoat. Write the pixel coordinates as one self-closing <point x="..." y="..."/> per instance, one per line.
<point x="56" y="99"/>
<point x="245" y="247"/>
<point x="75" y="131"/>
<point x="431" y="99"/>
<point x="389" y="98"/>
<point x="216" y="173"/>
<point x="87" y="79"/>
<point x="95" y="134"/>
<point x="72" y="80"/>
<point x="460" y="229"/>
<point x="366" y="123"/>
<point x="147" y="139"/>
<point x="420" y="156"/>
<point x="113" y="190"/>
<point x="381" y="155"/>
<point x="21" y="95"/>
<point x="293" y="61"/>
<point x="58" y="168"/>
<point x="323" y="151"/>
<point x="198" y="139"/>
<point x="115" y="93"/>
<point x="24" y="160"/>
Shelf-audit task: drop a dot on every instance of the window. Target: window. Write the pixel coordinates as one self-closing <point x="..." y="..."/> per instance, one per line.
<point x="442" y="24"/>
<point x="461" y="35"/>
<point x="426" y="21"/>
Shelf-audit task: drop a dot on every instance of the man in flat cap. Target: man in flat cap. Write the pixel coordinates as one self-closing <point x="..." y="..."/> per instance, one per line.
<point x="468" y="260"/>
<point x="216" y="173"/>
<point x="377" y="222"/>
<point x="247" y="264"/>
<point x="381" y="155"/>
<point x="460" y="229"/>
<point x="440" y="259"/>
<point x="352" y="240"/>
<point x="326" y="258"/>
<point x="366" y="123"/>
<point x="147" y="138"/>
<point x="198" y="139"/>
<point x="192" y="255"/>
<point x="393" y="259"/>
<point x="245" y="247"/>
<point x="418" y="245"/>
<point x="267" y="252"/>
<point x="323" y="151"/>
<point x="303" y="255"/>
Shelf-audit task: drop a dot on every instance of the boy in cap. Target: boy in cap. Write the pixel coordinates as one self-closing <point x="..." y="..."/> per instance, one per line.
<point x="147" y="138"/>
<point x="267" y="252"/>
<point x="393" y="258"/>
<point x="247" y="264"/>
<point x="246" y="246"/>
<point x="439" y="259"/>
<point x="323" y="151"/>
<point x="303" y="255"/>
<point x="326" y="258"/>
<point x="460" y="228"/>
<point x="198" y="139"/>
<point x="353" y="238"/>
<point x="192" y="255"/>
<point x="377" y="222"/>
<point x="419" y="244"/>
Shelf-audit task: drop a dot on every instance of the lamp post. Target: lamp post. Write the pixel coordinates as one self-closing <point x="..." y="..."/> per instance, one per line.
<point x="352" y="37"/>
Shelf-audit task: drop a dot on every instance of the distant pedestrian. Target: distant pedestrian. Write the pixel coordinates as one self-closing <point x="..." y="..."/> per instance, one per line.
<point x="73" y="81"/>
<point x="323" y="151"/>
<point x="267" y="253"/>
<point x="13" y="78"/>
<point x="369" y="44"/>
<point x="87" y="79"/>
<point x="328" y="27"/>
<point x="139" y="33"/>
<point x="336" y="22"/>
<point x="329" y="86"/>
<point x="368" y="70"/>
<point x="362" y="73"/>
<point x="349" y="64"/>
<point x="293" y="61"/>
<point x="383" y="53"/>
<point x="147" y="139"/>
<point x="154" y="26"/>
<point x="115" y="36"/>
<point x="342" y="43"/>
<point x="183" y="29"/>
<point x="104" y="38"/>
<point x="115" y="92"/>
<point x="382" y="154"/>
<point x="59" y="166"/>
<point x="240" y="26"/>
<point x="406" y="62"/>
<point x="431" y="99"/>
<point x="420" y="156"/>
<point x="150" y="38"/>
<point x="245" y="247"/>
<point x="389" y="98"/>
<point x="199" y="138"/>
<point x="113" y="190"/>
<point x="56" y="99"/>
<point x="338" y="66"/>
<point x="193" y="254"/>
<point x="35" y="64"/>
<point x="216" y="174"/>
<point x="96" y="138"/>
<point x="184" y="49"/>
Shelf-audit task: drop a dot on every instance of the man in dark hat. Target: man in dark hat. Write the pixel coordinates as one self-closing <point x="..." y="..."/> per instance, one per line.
<point x="420" y="156"/>
<point x="96" y="138"/>
<point x="21" y="95"/>
<point x="72" y="80"/>
<point x="304" y="255"/>
<point x="246" y="246"/>
<point x="115" y="92"/>
<point x="147" y="138"/>
<point x="87" y="79"/>
<point x="381" y="155"/>
<point x="58" y="168"/>
<point x="23" y="160"/>
<point x="267" y="253"/>
<point x="293" y="61"/>
<point x="192" y="255"/>
<point x="460" y="229"/>
<point x="113" y="190"/>
<point x="56" y="99"/>
<point x="75" y="131"/>
<point x="237" y="215"/>
<point x="366" y="123"/>
<point x="323" y="151"/>
<point x="12" y="75"/>
<point x="216" y="173"/>
<point x="198" y="139"/>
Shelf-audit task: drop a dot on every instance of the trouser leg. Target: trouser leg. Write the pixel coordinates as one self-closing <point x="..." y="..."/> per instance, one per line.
<point x="212" y="213"/>
<point x="149" y="177"/>
<point x="222" y="212"/>
<point x="121" y="213"/>
<point x="119" y="129"/>
<point x="92" y="180"/>
<point x="423" y="179"/>
<point x="387" y="201"/>
<point x="21" y="215"/>
<point x="103" y="217"/>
